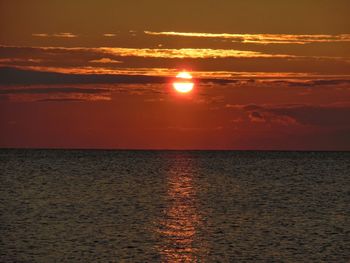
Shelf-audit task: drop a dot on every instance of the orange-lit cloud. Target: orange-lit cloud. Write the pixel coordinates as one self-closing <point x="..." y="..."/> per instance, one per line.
<point x="27" y="75"/>
<point x="169" y="53"/>
<point x="40" y="35"/>
<point x="262" y="38"/>
<point x="60" y="35"/>
<point x="222" y="77"/>
<point x="67" y="35"/>
<point x="105" y="61"/>
<point x="189" y="53"/>
<point x="19" y="60"/>
<point x="173" y="53"/>
<point x="215" y="63"/>
<point x="109" y="35"/>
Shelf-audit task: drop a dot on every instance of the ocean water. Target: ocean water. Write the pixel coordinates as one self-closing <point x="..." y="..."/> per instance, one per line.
<point x="174" y="206"/>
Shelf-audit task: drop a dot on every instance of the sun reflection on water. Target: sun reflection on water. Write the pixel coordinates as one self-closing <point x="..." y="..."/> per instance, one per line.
<point x="181" y="220"/>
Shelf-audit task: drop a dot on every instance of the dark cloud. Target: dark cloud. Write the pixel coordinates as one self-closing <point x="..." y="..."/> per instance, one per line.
<point x="256" y="116"/>
<point x="14" y="76"/>
<point x="317" y="115"/>
<point x="312" y="83"/>
<point x="219" y="81"/>
<point x="251" y="107"/>
<point x="52" y="90"/>
<point x="62" y="100"/>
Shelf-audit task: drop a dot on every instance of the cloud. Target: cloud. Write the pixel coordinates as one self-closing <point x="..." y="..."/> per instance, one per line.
<point x="188" y="53"/>
<point x="256" y="117"/>
<point x="109" y="35"/>
<point x="40" y="35"/>
<point x="262" y="38"/>
<point x="54" y="93"/>
<point x="170" y="53"/>
<point x="40" y="90"/>
<point x="319" y="115"/>
<point x="62" y="100"/>
<point x="18" y="76"/>
<point x="151" y="62"/>
<point x="305" y="114"/>
<point x="297" y="81"/>
<point x="313" y="83"/>
<point x="106" y="61"/>
<point x="19" y="60"/>
<point x="15" y="76"/>
<point x="65" y="35"/>
<point x="39" y="75"/>
<point x="60" y="35"/>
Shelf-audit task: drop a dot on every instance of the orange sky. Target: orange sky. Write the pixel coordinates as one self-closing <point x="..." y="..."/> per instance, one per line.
<point x="80" y="74"/>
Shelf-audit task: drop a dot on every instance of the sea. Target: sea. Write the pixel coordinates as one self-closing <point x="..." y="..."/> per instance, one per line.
<point x="174" y="206"/>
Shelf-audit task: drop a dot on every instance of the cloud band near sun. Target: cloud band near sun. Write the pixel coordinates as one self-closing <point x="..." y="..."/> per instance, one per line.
<point x="262" y="38"/>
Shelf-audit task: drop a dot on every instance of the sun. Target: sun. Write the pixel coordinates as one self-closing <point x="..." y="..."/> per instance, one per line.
<point x="183" y="83"/>
<point x="183" y="87"/>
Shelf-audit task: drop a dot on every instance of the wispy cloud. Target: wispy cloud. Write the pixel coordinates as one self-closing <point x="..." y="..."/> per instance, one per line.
<point x="165" y="53"/>
<point x="328" y="115"/>
<point x="106" y="61"/>
<point x="142" y="61"/>
<point x="313" y="82"/>
<point x="67" y="35"/>
<point x="262" y="38"/>
<point x="55" y="93"/>
<point x="19" y="60"/>
<point x="40" y="35"/>
<point x="189" y="53"/>
<point x="60" y="35"/>
<point x="169" y="53"/>
<point x="29" y="75"/>
<point x="43" y="90"/>
<point x="109" y="35"/>
<point x="15" y="76"/>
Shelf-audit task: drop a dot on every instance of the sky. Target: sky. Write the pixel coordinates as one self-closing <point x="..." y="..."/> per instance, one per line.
<point x="268" y="75"/>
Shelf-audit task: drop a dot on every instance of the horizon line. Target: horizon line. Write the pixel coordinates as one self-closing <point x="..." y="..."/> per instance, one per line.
<point x="167" y="149"/>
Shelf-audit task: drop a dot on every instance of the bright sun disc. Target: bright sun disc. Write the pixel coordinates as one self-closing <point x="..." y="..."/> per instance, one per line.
<point x="184" y="84"/>
<point x="183" y="87"/>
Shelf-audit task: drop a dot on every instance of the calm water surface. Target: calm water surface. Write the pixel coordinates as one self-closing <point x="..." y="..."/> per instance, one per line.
<point x="174" y="206"/>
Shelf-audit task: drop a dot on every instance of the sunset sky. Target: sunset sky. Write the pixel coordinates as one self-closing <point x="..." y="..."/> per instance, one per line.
<point x="268" y="75"/>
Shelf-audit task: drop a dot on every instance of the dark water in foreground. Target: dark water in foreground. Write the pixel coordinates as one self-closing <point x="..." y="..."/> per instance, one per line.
<point x="181" y="206"/>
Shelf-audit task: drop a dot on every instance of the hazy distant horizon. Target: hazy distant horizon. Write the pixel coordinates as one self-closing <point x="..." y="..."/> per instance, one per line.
<point x="176" y="150"/>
